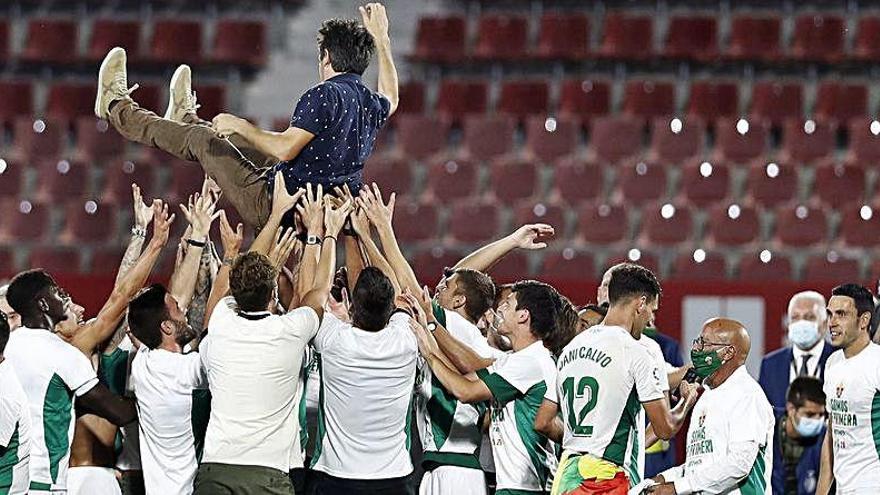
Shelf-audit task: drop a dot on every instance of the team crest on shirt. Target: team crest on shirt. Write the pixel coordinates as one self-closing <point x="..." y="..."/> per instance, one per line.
<point x="839" y="390"/>
<point x="702" y="420"/>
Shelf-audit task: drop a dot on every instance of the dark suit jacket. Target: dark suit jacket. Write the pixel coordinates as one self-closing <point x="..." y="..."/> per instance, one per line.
<point x="775" y="373"/>
<point x="807" y="469"/>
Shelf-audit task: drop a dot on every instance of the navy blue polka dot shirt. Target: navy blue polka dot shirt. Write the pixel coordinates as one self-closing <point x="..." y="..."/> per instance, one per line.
<point x="345" y="116"/>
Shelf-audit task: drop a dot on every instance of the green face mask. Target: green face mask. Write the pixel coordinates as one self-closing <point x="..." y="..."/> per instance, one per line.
<point x="705" y="362"/>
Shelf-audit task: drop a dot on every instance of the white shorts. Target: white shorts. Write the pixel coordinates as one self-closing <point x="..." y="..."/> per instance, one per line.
<point x="453" y="480"/>
<point x="89" y="480"/>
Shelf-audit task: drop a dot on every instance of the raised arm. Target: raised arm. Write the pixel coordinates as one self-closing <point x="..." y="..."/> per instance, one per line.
<point x="200" y="214"/>
<point x="282" y="202"/>
<point x="283" y="146"/>
<point x="94" y="334"/>
<point x="100" y="401"/>
<point x="143" y="215"/>
<point x="464" y="389"/>
<point x="311" y="212"/>
<point x="231" y="240"/>
<point x="380" y="215"/>
<point x="361" y="224"/>
<point x="525" y="237"/>
<point x="334" y="219"/>
<point x="666" y="422"/>
<point x="376" y="21"/>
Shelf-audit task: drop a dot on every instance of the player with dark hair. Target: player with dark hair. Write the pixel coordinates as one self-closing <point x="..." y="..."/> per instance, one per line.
<point x="800" y="433"/>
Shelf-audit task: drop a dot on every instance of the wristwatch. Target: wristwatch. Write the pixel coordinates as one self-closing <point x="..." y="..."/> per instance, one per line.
<point x="312" y="239"/>
<point x="432" y="326"/>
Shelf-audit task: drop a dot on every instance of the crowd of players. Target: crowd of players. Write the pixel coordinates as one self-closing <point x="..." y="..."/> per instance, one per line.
<point x="268" y="369"/>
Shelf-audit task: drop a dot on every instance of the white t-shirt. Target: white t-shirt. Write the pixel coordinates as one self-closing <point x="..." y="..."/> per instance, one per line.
<point x="604" y="377"/>
<point x="367" y="382"/>
<point x="163" y="382"/>
<point x="520" y="382"/>
<point x="253" y="363"/>
<point x="52" y="373"/>
<point x="852" y="388"/>
<point x="130" y="457"/>
<point x="636" y="467"/>
<point x="15" y="431"/>
<point x="731" y="432"/>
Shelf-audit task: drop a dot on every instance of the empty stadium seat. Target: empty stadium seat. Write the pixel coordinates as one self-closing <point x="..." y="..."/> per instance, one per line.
<point x="864" y="140"/>
<point x="649" y="99"/>
<point x="514" y="180"/>
<point x="88" y="222"/>
<point x="549" y="138"/>
<point x="457" y="98"/>
<point x="584" y="99"/>
<point x="119" y="176"/>
<point x="838" y="184"/>
<point x="740" y="140"/>
<point x="7" y="263"/>
<point x="563" y="35"/>
<point x="67" y="101"/>
<point x="414" y="222"/>
<point x="808" y="141"/>
<point x="22" y="220"/>
<point x="764" y="266"/>
<point x="771" y="183"/>
<point x="440" y="39"/>
<point x="733" y="224"/>
<point x="576" y="180"/>
<point x="452" y="178"/>
<point x="511" y="268"/>
<point x="860" y="226"/>
<point x="615" y="137"/>
<point x="568" y="264"/>
<point x="628" y="36"/>
<point x="412" y="98"/>
<point x="704" y="182"/>
<point x="755" y="38"/>
<point x="419" y="136"/>
<point x="16" y="99"/>
<point x="473" y="221"/>
<point x="840" y="101"/>
<point x="176" y="42"/>
<point x="212" y="98"/>
<point x="699" y="265"/>
<point x="800" y="225"/>
<point x="4" y="40"/>
<point x="602" y="223"/>
<point x="674" y="140"/>
<point x="96" y="141"/>
<point x="105" y="257"/>
<point x="710" y="100"/>
<point x="640" y="181"/>
<point x="666" y="224"/>
<point x="486" y="137"/>
<point x="37" y="138"/>
<point x="149" y="96"/>
<point x="429" y="263"/>
<point x="240" y="43"/>
<point x="11" y="178"/>
<point x="62" y="179"/>
<point x="50" y="41"/>
<point x="777" y="101"/>
<point x="392" y="173"/>
<point x="819" y="37"/>
<point x="530" y="211"/>
<point x="693" y="37"/>
<point x="185" y="179"/>
<point x="831" y="268"/>
<point x="640" y="257"/>
<point x="501" y="37"/>
<point x="866" y="44"/>
<point x="522" y="98"/>
<point x="109" y="33"/>
<point x="56" y="260"/>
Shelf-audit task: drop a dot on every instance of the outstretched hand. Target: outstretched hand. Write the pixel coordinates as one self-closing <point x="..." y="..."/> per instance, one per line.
<point x="229" y="237"/>
<point x="200" y="214"/>
<point x="528" y="236"/>
<point x="161" y="222"/>
<point x="311" y="209"/>
<point x="143" y="213"/>
<point x="379" y="212"/>
<point x="285" y="240"/>
<point x="282" y="200"/>
<point x="334" y="218"/>
<point x="375" y="19"/>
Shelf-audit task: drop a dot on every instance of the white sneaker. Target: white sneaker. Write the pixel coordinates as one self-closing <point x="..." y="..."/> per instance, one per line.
<point x="112" y="82"/>
<point x="181" y="97"/>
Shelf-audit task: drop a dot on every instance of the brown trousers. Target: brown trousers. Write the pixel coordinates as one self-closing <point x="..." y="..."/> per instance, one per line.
<point x="237" y="166"/>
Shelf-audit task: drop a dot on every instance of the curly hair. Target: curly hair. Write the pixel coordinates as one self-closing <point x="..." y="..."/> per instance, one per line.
<point x="252" y="281"/>
<point x="348" y="43"/>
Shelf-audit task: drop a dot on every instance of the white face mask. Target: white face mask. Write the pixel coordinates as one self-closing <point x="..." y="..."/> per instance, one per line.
<point x="809" y="427"/>
<point x="803" y="333"/>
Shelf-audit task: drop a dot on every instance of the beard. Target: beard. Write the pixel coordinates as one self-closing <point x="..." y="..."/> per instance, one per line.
<point x="185" y="334"/>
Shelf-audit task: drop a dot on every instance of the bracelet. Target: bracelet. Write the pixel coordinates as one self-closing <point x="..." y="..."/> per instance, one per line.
<point x="330" y="237"/>
<point x="195" y="243"/>
<point x="139" y="232"/>
<point x="228" y="261"/>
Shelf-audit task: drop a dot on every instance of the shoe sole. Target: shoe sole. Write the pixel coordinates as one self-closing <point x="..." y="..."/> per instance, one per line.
<point x="178" y="73"/>
<point x="101" y="71"/>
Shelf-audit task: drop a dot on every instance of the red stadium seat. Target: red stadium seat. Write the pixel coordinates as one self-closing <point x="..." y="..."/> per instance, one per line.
<point x="641" y="181"/>
<point x="755" y="38"/>
<point x="103" y="258"/>
<point x="429" y="263"/>
<point x="450" y="179"/>
<point x="16" y="99"/>
<point x="7" y="263"/>
<point x="530" y="211"/>
<point x="473" y="221"/>
<point x="393" y="174"/>
<point x="649" y="98"/>
<point x="568" y="264"/>
<point x="838" y="184"/>
<point x="240" y="43"/>
<point x="150" y="96"/>
<point x="440" y="39"/>
<point x="457" y="98"/>
<point x="808" y="141"/>
<point x="186" y="179"/>
<point x="771" y="183"/>
<point x="56" y="260"/>
<point x="740" y="140"/>
<point x="584" y="99"/>
<point x="563" y="36"/>
<point x="62" y="179"/>
<point x="37" y="138"/>
<point x="415" y="222"/>
<point x="819" y="37"/>
<point x="692" y="37"/>
<point x="514" y="180"/>
<point x="419" y="136"/>
<point x="733" y="224"/>
<point x="575" y="180"/>
<point x="176" y="41"/>
<point x="67" y="101"/>
<point x="860" y="226"/>
<point x="776" y="101"/>
<point x="522" y="98"/>
<point x="4" y="40"/>
<point x="676" y="140"/>
<point x="800" y="225"/>
<point x="628" y="36"/>
<point x="50" y="41"/>
<point x="638" y="256"/>
<point x="119" y="177"/>
<point x="666" y="224"/>
<point x="699" y="264"/>
<point x="511" y="268"/>
<point x="501" y="37"/>
<point x="88" y="222"/>
<point x="22" y="221"/>
<point x="212" y="99"/>
<point x="705" y="182"/>
<point x="548" y="139"/>
<point x="866" y="45"/>
<point x="710" y="100"/>
<point x="96" y="141"/>
<point x="841" y="101"/>
<point x="864" y="140"/>
<point x="412" y="98"/>
<point x="486" y="137"/>
<point x="764" y="266"/>
<point x="11" y="178"/>
<point x="831" y="268"/>
<point x="109" y="33"/>
<point x="613" y="138"/>
<point x="602" y="223"/>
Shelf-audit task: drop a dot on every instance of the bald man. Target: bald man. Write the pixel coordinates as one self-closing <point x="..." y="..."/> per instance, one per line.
<point x="729" y="442"/>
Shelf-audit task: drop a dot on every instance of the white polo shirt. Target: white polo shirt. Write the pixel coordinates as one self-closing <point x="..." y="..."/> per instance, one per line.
<point x="15" y="433"/>
<point x="253" y="363"/>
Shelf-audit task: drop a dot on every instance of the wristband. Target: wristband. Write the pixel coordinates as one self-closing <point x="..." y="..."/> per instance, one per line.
<point x="139" y="232"/>
<point x="228" y="261"/>
<point x="330" y="237"/>
<point x="195" y="243"/>
<point x="312" y="240"/>
<point x="432" y="326"/>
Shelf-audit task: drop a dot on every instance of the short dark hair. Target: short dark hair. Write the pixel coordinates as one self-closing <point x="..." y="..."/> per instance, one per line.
<point x="4" y="331"/>
<point x="567" y="321"/>
<point x="596" y="308"/>
<point x="252" y="281"/>
<point x="478" y="290"/>
<point x="349" y="44"/>
<point x="862" y="297"/>
<point x="631" y="280"/>
<point x="803" y="389"/>
<point x="25" y="288"/>
<point x="372" y="301"/>
<point x="146" y="312"/>
<point x="540" y="301"/>
<point x="499" y="289"/>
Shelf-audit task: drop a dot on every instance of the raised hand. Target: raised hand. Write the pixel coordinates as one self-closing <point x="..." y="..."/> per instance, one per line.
<point x="528" y="236"/>
<point x="334" y="218"/>
<point x="200" y="215"/>
<point x="379" y="212"/>
<point x="340" y="309"/>
<point x="427" y="343"/>
<point x="418" y="311"/>
<point x="284" y="243"/>
<point x="311" y="209"/>
<point x="161" y="222"/>
<point x="210" y="188"/>
<point x="143" y="213"/>
<point x="283" y="201"/>
<point x="375" y="20"/>
<point x="360" y="222"/>
<point x="229" y="237"/>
